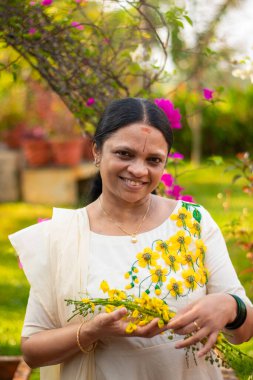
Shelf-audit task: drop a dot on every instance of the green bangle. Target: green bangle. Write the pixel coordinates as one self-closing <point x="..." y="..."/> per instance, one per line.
<point x="240" y="316"/>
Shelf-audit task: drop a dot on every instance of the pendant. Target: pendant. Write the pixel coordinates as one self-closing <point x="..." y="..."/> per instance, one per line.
<point x="134" y="239"/>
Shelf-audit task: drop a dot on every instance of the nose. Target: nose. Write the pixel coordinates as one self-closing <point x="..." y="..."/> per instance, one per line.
<point x="138" y="169"/>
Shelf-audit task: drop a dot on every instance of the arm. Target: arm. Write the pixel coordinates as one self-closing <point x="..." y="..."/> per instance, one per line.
<point x="57" y="345"/>
<point x="211" y="313"/>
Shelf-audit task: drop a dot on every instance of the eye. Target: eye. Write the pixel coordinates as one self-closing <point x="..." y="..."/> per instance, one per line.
<point x="155" y="160"/>
<point x="123" y="154"/>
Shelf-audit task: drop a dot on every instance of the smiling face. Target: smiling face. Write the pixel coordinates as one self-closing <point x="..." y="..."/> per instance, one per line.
<point x="132" y="162"/>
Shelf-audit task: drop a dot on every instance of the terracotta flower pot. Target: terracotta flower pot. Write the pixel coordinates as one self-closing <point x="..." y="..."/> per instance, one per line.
<point x="13" y="368"/>
<point x="37" y="152"/>
<point x="67" y="152"/>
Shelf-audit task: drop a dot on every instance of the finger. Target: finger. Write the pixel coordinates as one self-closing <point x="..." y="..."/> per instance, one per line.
<point x="191" y="328"/>
<point x="150" y="329"/>
<point x="193" y="339"/>
<point x="116" y="315"/>
<point x="181" y="321"/>
<point x="211" y="340"/>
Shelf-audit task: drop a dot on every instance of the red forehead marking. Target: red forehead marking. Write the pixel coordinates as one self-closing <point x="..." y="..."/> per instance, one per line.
<point x="145" y="129"/>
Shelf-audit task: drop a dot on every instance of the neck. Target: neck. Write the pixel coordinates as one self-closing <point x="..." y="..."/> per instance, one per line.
<point x="123" y="209"/>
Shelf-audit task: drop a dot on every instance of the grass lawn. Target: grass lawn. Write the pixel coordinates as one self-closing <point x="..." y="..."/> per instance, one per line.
<point x="203" y="184"/>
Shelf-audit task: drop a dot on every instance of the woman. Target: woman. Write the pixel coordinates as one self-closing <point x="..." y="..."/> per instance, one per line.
<point x="131" y="238"/>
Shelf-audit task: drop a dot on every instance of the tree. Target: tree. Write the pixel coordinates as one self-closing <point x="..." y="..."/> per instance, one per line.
<point x="87" y="53"/>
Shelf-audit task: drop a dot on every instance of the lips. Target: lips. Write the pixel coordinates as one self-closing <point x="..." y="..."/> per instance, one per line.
<point x="133" y="182"/>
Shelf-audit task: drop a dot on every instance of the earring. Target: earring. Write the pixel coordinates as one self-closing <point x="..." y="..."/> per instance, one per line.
<point x="96" y="162"/>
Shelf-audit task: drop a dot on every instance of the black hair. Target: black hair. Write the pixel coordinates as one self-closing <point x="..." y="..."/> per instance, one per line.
<point x="121" y="113"/>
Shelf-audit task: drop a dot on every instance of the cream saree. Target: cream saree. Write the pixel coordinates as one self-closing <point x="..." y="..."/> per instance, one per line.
<point x="54" y="256"/>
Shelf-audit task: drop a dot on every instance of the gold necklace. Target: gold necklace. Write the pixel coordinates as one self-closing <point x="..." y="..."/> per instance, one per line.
<point x="134" y="234"/>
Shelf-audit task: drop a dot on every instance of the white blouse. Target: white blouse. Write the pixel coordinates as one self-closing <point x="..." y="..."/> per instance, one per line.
<point x="110" y="258"/>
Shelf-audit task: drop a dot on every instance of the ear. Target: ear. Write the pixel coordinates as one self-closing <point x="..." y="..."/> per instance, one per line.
<point x="96" y="152"/>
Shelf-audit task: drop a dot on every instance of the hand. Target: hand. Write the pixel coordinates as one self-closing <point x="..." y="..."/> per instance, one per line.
<point x="204" y="319"/>
<point x="112" y="324"/>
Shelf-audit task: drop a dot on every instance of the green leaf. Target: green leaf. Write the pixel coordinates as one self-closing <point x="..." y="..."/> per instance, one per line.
<point x="197" y="215"/>
<point x="188" y="19"/>
<point x="185" y="205"/>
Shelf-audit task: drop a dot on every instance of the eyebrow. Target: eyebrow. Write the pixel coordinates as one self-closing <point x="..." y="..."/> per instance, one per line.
<point x="125" y="147"/>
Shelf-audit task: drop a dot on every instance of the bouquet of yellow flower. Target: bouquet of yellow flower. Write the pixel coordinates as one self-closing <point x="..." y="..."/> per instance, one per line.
<point x="142" y="310"/>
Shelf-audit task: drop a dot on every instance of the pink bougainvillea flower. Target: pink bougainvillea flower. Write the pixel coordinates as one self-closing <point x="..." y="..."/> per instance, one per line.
<point x="173" y="114"/>
<point x="208" y="93"/>
<point x="176" y="155"/>
<point x="77" y="25"/>
<point x="167" y="179"/>
<point x="90" y="101"/>
<point x="46" y="2"/>
<point x="32" y="3"/>
<point x="32" y="31"/>
<point x="186" y="198"/>
<point x="175" y="191"/>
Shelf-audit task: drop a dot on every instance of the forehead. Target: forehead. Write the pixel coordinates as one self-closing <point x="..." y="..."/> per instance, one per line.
<point x="136" y="134"/>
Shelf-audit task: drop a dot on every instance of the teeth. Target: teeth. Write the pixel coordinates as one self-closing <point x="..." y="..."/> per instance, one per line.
<point x="132" y="183"/>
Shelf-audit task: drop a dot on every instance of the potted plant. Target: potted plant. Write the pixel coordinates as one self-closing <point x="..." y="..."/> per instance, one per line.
<point x="36" y="147"/>
<point x="65" y="136"/>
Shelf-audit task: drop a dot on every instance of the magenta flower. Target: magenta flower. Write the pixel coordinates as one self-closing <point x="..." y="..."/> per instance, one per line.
<point x="173" y="114"/>
<point x="186" y="198"/>
<point x="77" y="25"/>
<point x="46" y="2"/>
<point x="175" y="191"/>
<point x="208" y="93"/>
<point x="32" y="31"/>
<point x="167" y="179"/>
<point x="90" y="101"/>
<point x="176" y="156"/>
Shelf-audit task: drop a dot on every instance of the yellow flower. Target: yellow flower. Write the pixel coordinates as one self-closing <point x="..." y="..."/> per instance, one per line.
<point x="158" y="274"/>
<point x="135" y="270"/>
<point x="135" y="313"/>
<point x="203" y="273"/>
<point x="144" y="321"/>
<point x="104" y="286"/>
<point x="162" y="246"/>
<point x="136" y="280"/>
<point x="129" y="286"/>
<point x="173" y="260"/>
<point x="195" y="229"/>
<point x="127" y="275"/>
<point x="160" y="323"/>
<point x="158" y="291"/>
<point x="131" y="327"/>
<point x="183" y="217"/>
<point x="201" y="248"/>
<point x="180" y="241"/>
<point x="147" y="257"/>
<point x="85" y="300"/>
<point x="191" y="278"/>
<point x="175" y="287"/>
<point x="109" y="308"/>
<point x="188" y="258"/>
